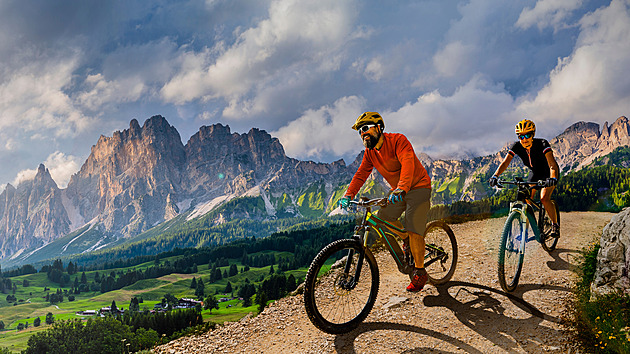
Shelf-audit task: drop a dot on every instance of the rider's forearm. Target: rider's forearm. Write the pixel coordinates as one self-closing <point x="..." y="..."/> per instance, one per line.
<point x="503" y="166"/>
<point x="553" y="165"/>
<point x="555" y="171"/>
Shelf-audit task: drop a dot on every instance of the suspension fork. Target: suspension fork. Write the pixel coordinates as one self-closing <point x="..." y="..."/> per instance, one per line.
<point x="525" y="216"/>
<point x="350" y="281"/>
<point x="363" y="242"/>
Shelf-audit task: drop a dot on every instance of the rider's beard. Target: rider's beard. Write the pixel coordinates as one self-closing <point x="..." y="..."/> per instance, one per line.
<point x="371" y="141"/>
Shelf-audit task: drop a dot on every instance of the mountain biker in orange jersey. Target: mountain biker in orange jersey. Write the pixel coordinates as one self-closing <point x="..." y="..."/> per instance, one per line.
<point x="394" y="158"/>
<point x="538" y="156"/>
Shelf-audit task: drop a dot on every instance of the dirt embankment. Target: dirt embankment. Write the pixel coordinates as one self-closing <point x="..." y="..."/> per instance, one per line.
<point x="470" y="314"/>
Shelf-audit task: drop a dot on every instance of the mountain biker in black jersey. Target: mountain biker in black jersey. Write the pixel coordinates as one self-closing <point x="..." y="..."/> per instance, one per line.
<point x="538" y="157"/>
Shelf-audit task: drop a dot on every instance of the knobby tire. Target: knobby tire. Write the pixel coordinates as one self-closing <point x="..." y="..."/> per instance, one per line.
<point x="332" y="306"/>
<point x="440" y="264"/>
<point x="509" y="252"/>
<point x="548" y="242"/>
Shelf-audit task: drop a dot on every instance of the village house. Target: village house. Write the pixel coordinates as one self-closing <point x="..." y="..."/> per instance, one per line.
<point x="86" y="313"/>
<point x="108" y="310"/>
<point x="188" y="303"/>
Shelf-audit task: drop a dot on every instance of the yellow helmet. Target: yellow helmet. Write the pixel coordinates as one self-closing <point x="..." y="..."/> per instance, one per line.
<point x="369" y="118"/>
<point x="525" y="126"/>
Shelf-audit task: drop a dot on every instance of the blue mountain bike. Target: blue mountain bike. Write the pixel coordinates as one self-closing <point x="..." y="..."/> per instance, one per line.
<point x="515" y="232"/>
<point x="342" y="282"/>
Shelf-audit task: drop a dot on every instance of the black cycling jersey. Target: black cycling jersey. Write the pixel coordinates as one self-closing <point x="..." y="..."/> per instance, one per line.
<point x="534" y="158"/>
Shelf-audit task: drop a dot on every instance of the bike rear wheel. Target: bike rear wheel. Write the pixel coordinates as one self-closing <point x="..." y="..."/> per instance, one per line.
<point x="510" y="261"/>
<point x="547" y="241"/>
<point x="440" y="257"/>
<point x="335" y="301"/>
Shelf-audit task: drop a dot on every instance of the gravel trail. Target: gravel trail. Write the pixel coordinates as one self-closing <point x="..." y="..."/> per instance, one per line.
<point x="470" y="314"/>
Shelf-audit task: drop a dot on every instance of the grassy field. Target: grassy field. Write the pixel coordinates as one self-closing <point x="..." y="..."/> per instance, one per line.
<point x="32" y="304"/>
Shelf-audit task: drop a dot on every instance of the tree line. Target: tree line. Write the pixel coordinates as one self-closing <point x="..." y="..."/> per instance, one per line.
<point x="113" y="334"/>
<point x="603" y="188"/>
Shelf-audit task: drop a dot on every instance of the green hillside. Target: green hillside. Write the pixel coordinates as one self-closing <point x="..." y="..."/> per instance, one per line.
<point x="620" y="157"/>
<point x="257" y="264"/>
<point x="186" y="252"/>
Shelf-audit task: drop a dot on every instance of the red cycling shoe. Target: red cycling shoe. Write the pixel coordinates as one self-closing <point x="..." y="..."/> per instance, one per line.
<point x="418" y="280"/>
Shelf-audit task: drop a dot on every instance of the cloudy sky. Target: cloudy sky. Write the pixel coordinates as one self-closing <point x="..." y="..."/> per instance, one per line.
<point x="454" y="76"/>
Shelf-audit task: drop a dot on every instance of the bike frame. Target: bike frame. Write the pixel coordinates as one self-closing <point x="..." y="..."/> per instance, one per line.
<point x="386" y="231"/>
<point x="383" y="229"/>
<point x="526" y="207"/>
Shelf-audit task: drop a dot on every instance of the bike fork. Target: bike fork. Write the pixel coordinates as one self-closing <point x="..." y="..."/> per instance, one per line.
<point x="524" y="232"/>
<point x="357" y="272"/>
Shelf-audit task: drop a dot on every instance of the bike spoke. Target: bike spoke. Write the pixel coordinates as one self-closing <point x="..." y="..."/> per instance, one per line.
<point x="510" y="255"/>
<point x="440" y="256"/>
<point x="337" y="301"/>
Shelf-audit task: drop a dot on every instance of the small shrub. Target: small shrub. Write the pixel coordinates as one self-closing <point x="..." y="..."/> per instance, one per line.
<point x="601" y="324"/>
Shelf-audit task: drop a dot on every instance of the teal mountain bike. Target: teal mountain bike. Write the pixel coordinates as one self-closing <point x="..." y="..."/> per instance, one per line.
<point x="515" y="234"/>
<point x="342" y="282"/>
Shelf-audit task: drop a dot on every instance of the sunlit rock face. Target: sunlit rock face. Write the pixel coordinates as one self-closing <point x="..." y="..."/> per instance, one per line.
<point x="32" y="214"/>
<point x="144" y="175"/>
<point x="582" y="143"/>
<point x="613" y="258"/>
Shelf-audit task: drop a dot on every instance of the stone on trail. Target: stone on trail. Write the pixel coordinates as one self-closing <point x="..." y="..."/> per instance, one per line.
<point x="394" y="301"/>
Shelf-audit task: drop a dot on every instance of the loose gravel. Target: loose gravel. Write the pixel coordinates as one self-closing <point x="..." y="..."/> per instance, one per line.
<point x="470" y="314"/>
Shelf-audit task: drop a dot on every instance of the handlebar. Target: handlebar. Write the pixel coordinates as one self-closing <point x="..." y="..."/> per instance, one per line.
<point x="364" y="203"/>
<point x="538" y="184"/>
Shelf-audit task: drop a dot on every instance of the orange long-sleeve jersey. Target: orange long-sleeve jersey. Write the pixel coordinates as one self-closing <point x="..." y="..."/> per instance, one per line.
<point x="396" y="162"/>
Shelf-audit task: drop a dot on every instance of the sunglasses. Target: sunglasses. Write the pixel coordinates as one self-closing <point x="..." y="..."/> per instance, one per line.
<point x="364" y="128"/>
<point x="525" y="136"/>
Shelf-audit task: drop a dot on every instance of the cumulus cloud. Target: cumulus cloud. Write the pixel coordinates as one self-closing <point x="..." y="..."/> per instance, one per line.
<point x="592" y="83"/>
<point x="33" y="98"/>
<point x="102" y="91"/>
<point x="453" y="58"/>
<point x="436" y="124"/>
<point x="60" y="166"/>
<point x="296" y="36"/>
<point x="9" y="144"/>
<point x="548" y="13"/>
<point x="460" y="124"/>
<point x="483" y="40"/>
<point x="324" y="132"/>
<point x="24" y="175"/>
<point x="451" y="75"/>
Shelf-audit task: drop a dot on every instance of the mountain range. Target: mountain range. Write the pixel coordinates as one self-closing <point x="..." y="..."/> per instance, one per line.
<point x="144" y="176"/>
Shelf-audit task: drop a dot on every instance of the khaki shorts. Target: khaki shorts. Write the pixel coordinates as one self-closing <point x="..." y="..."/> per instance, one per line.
<point x="416" y="206"/>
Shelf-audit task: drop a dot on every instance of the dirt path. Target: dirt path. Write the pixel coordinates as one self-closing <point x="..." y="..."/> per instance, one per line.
<point x="470" y="314"/>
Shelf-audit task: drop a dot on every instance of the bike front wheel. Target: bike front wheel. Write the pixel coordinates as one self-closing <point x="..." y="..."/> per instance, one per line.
<point x="441" y="255"/>
<point x="510" y="256"/>
<point x="549" y="242"/>
<point x="341" y="286"/>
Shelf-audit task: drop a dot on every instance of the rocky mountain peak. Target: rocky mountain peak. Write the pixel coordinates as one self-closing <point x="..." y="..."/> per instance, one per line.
<point x="158" y="126"/>
<point x="34" y="213"/>
<point x="142" y="176"/>
<point x="618" y="131"/>
<point x="582" y="143"/>
<point x="134" y="128"/>
<point x="215" y="131"/>
<point x="582" y="128"/>
<point x="136" y="164"/>
<point x="43" y="178"/>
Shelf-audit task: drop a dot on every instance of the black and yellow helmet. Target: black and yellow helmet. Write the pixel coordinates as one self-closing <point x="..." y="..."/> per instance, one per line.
<point x="525" y="126"/>
<point x="369" y="118"/>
